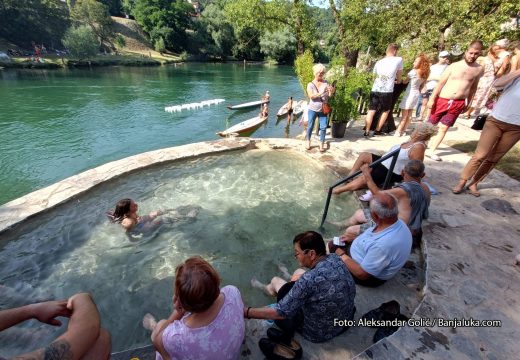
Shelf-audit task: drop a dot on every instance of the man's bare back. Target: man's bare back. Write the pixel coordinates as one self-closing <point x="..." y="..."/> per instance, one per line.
<point x="461" y="78"/>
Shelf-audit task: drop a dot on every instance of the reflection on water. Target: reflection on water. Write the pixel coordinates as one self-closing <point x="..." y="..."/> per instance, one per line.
<point x="252" y="205"/>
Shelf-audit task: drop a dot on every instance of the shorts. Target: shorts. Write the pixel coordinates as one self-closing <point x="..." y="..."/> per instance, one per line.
<point x="380" y="101"/>
<point x="379" y="173"/>
<point x="364" y="227"/>
<point x="446" y="111"/>
<point x="426" y="95"/>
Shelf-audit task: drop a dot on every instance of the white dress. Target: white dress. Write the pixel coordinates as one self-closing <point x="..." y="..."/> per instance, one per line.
<point x="412" y="92"/>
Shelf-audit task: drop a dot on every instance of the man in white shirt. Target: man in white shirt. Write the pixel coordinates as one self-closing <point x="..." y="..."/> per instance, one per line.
<point x="436" y="71"/>
<point x="388" y="71"/>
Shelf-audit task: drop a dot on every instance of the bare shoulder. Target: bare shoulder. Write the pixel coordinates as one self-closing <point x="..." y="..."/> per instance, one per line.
<point x="426" y="189"/>
<point x="58" y="350"/>
<point x="127" y="223"/>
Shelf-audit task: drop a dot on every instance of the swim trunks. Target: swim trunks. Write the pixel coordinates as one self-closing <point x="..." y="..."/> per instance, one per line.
<point x="446" y="111"/>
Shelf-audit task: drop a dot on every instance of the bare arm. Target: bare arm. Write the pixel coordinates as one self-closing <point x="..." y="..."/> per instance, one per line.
<point x="514" y="63"/>
<point x="81" y="334"/>
<point x="45" y="312"/>
<point x="313" y="91"/>
<point x="503" y="68"/>
<point x="352" y="265"/>
<point x="157" y="333"/>
<point x="367" y="173"/>
<point x="473" y="89"/>
<point x="398" y="76"/>
<point x="262" y="313"/>
<point x="506" y="79"/>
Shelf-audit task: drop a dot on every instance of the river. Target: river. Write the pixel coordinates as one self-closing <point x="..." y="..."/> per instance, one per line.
<point x="57" y="123"/>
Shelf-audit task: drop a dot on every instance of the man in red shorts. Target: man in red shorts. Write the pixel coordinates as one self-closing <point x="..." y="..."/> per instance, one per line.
<point x="453" y="93"/>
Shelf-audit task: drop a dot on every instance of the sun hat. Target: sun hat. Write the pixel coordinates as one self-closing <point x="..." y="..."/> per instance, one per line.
<point x="444" y="53"/>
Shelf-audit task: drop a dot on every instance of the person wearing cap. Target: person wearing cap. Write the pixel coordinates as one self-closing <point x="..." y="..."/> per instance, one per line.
<point x="436" y="71"/>
<point x="503" y="57"/>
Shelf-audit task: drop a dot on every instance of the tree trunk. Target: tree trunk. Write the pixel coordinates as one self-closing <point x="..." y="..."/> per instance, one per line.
<point x="300" y="46"/>
<point x="352" y="57"/>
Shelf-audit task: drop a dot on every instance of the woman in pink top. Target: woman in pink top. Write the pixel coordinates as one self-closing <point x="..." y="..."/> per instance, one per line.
<point x="207" y="322"/>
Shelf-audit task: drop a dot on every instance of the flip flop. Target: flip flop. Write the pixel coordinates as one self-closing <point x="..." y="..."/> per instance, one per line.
<point x="457" y="190"/>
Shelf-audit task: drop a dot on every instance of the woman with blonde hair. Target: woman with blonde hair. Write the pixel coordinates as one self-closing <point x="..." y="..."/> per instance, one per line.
<point x="319" y="92"/>
<point x="207" y="321"/>
<point x="413" y="149"/>
<point x="416" y="79"/>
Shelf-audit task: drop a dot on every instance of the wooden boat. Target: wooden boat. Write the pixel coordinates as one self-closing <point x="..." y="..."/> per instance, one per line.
<point x="298" y="107"/>
<point x="248" y="105"/>
<point x="283" y="110"/>
<point x="243" y="127"/>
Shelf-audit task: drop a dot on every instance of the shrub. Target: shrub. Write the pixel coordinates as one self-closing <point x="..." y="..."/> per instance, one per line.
<point x="81" y="42"/>
<point x="303" y="68"/>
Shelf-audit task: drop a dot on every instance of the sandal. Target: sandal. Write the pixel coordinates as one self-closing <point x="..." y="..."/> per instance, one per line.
<point x="458" y="189"/>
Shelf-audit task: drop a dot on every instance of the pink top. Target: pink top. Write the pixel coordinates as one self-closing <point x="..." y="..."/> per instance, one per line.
<point x="219" y="340"/>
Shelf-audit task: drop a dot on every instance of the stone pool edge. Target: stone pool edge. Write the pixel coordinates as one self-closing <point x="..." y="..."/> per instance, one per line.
<point x="17" y="211"/>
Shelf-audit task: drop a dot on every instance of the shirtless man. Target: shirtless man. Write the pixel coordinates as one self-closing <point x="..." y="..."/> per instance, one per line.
<point x="413" y="198"/>
<point x="453" y="93"/>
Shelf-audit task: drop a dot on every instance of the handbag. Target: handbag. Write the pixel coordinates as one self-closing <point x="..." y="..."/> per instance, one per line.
<point x="479" y="122"/>
<point x="326" y="109"/>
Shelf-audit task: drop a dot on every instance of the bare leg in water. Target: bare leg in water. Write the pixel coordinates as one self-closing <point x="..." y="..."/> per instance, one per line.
<point x="359" y="182"/>
<point x="276" y="283"/>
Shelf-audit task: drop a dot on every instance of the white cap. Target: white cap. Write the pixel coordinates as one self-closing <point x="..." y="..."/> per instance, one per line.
<point x="444" y="53"/>
<point x="503" y="43"/>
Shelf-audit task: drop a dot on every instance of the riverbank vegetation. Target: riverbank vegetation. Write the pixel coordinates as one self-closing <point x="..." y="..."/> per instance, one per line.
<point x="254" y="30"/>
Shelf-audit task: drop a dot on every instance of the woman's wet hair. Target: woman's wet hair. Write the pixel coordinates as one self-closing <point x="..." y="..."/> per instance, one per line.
<point x="311" y="240"/>
<point x="122" y="208"/>
<point x="197" y="284"/>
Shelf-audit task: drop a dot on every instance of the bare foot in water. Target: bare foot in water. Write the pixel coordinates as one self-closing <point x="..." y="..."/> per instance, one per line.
<point x="149" y="322"/>
<point x="284" y="271"/>
<point x="268" y="289"/>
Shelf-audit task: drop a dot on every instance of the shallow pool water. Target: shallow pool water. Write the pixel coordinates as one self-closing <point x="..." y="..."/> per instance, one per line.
<point x="252" y="204"/>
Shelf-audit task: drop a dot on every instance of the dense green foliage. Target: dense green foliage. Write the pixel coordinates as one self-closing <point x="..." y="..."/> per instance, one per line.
<point x="96" y="16"/>
<point x="303" y="68"/>
<point x="164" y="19"/>
<point x="81" y="41"/>
<point x="275" y="29"/>
<point x="42" y="21"/>
<point x="349" y="88"/>
<point x="278" y="45"/>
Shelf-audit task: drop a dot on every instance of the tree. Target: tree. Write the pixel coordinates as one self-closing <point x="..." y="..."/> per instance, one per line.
<point x="42" y="21"/>
<point x="303" y="68"/>
<point x="215" y="35"/>
<point x="278" y="45"/>
<point x="95" y="15"/>
<point x="81" y="42"/>
<point x="164" y="19"/>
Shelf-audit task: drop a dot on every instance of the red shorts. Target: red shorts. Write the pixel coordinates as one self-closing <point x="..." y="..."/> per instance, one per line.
<point x="446" y="111"/>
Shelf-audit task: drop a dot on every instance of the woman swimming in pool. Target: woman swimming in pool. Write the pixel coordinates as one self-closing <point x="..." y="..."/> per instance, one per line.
<point x="125" y="213"/>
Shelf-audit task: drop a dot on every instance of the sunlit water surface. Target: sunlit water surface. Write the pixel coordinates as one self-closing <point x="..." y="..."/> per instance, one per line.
<point x="252" y="205"/>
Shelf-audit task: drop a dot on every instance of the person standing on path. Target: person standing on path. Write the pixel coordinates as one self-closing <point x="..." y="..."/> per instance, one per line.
<point x="501" y="132"/>
<point x="453" y="93"/>
<point x="436" y="71"/>
<point x="387" y="71"/>
<point x="319" y="92"/>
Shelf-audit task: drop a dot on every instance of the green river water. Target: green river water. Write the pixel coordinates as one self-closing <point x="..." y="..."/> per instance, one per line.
<point x="57" y="123"/>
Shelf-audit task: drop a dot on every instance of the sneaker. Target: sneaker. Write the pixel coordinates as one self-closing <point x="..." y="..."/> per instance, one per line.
<point x="276" y="351"/>
<point x="366" y="134"/>
<point x="378" y="133"/>
<point x="366" y="196"/>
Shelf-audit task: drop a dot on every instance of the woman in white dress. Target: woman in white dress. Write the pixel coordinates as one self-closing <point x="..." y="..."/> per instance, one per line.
<point x="416" y="79"/>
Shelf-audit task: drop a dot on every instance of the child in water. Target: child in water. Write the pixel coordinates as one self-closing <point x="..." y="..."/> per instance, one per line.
<point x="125" y="213"/>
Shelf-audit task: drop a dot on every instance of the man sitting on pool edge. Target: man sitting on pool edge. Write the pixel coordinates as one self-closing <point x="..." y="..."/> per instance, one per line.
<point x="381" y="251"/>
<point x="310" y="303"/>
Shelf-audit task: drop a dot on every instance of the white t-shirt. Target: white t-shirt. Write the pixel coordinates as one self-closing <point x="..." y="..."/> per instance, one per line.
<point x="507" y="108"/>
<point x="435" y="70"/>
<point x="386" y="69"/>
